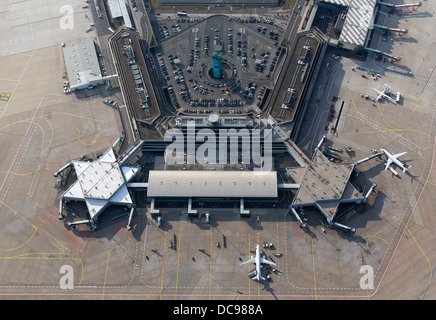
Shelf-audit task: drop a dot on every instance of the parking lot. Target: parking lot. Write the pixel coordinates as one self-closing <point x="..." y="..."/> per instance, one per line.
<point x="249" y="53"/>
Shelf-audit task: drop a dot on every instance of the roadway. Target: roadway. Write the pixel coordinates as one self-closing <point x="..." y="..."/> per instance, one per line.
<point x="290" y="35"/>
<point x="294" y="22"/>
<point x="101" y="21"/>
<point x="144" y="24"/>
<point x="142" y="21"/>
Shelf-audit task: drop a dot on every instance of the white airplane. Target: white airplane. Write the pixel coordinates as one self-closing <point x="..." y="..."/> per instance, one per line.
<point x="258" y="260"/>
<point x="394" y="159"/>
<point x="382" y="94"/>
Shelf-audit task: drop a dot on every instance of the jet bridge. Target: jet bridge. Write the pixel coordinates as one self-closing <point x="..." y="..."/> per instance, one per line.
<point x="376" y="51"/>
<point x="130" y="153"/>
<point x="398" y="6"/>
<point x="377" y="26"/>
<point x="378" y="154"/>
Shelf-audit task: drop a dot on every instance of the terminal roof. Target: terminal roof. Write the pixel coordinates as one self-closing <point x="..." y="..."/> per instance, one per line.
<point x="118" y="9"/>
<point x="324" y="184"/>
<point x="101" y="182"/>
<point x="81" y="63"/>
<point x="234" y="184"/>
<point x="359" y="20"/>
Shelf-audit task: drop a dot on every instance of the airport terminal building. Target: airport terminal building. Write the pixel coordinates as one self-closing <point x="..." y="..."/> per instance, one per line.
<point x="119" y="12"/>
<point x="299" y="182"/>
<point x="219" y="3"/>
<point x="81" y="63"/>
<point x="352" y="25"/>
<point x="211" y="184"/>
<point x="357" y="22"/>
<point x="112" y="180"/>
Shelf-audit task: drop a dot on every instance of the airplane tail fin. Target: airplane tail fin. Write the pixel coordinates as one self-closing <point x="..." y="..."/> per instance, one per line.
<point x="406" y="168"/>
<point x="258" y="277"/>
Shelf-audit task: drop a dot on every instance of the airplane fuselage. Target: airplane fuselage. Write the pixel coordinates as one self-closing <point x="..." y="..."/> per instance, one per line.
<point x="258" y="263"/>
<point x="394" y="160"/>
<point x="382" y="94"/>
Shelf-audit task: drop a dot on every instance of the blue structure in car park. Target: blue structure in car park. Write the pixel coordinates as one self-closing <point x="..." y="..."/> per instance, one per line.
<point x="217" y="66"/>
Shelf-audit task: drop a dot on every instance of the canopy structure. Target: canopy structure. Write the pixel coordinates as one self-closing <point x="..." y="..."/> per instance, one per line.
<point x="218" y="184"/>
<point x="324" y="184"/>
<point x="359" y="20"/>
<point x="100" y="183"/>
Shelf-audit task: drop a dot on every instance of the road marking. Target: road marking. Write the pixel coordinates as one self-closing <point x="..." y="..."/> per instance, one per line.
<point x="377" y="237"/>
<point x="416" y="242"/>
<point x="163" y="265"/>
<point x="382" y="128"/>
<point x="83" y="270"/>
<point x="33" y="184"/>
<point x="381" y="147"/>
<point x="249" y="280"/>
<point x="210" y="264"/>
<point x="314" y="275"/>
<point x="178" y="258"/>
<point x="56" y="241"/>
<point x="28" y="240"/>
<point x="31" y="25"/>
<point x="417" y="106"/>
<point x="33" y="226"/>
<point x="107" y="264"/>
<point x="258" y="282"/>
<point x="408" y="221"/>
<point x="44" y="256"/>
<point x="363" y="263"/>
<point x="16" y="84"/>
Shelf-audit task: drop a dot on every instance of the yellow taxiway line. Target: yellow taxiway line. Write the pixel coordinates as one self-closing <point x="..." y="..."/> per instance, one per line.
<point x="210" y="264"/>
<point x="178" y="264"/>
<point x="314" y="274"/>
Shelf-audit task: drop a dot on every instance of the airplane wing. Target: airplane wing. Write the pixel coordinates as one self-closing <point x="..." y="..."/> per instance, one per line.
<point x="382" y="94"/>
<point x="396" y="156"/>
<point x="393" y="171"/>
<point x="258" y="277"/>
<point x="392" y="100"/>
<point x="388" y="163"/>
<point x="248" y="261"/>
<point x="262" y="260"/>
